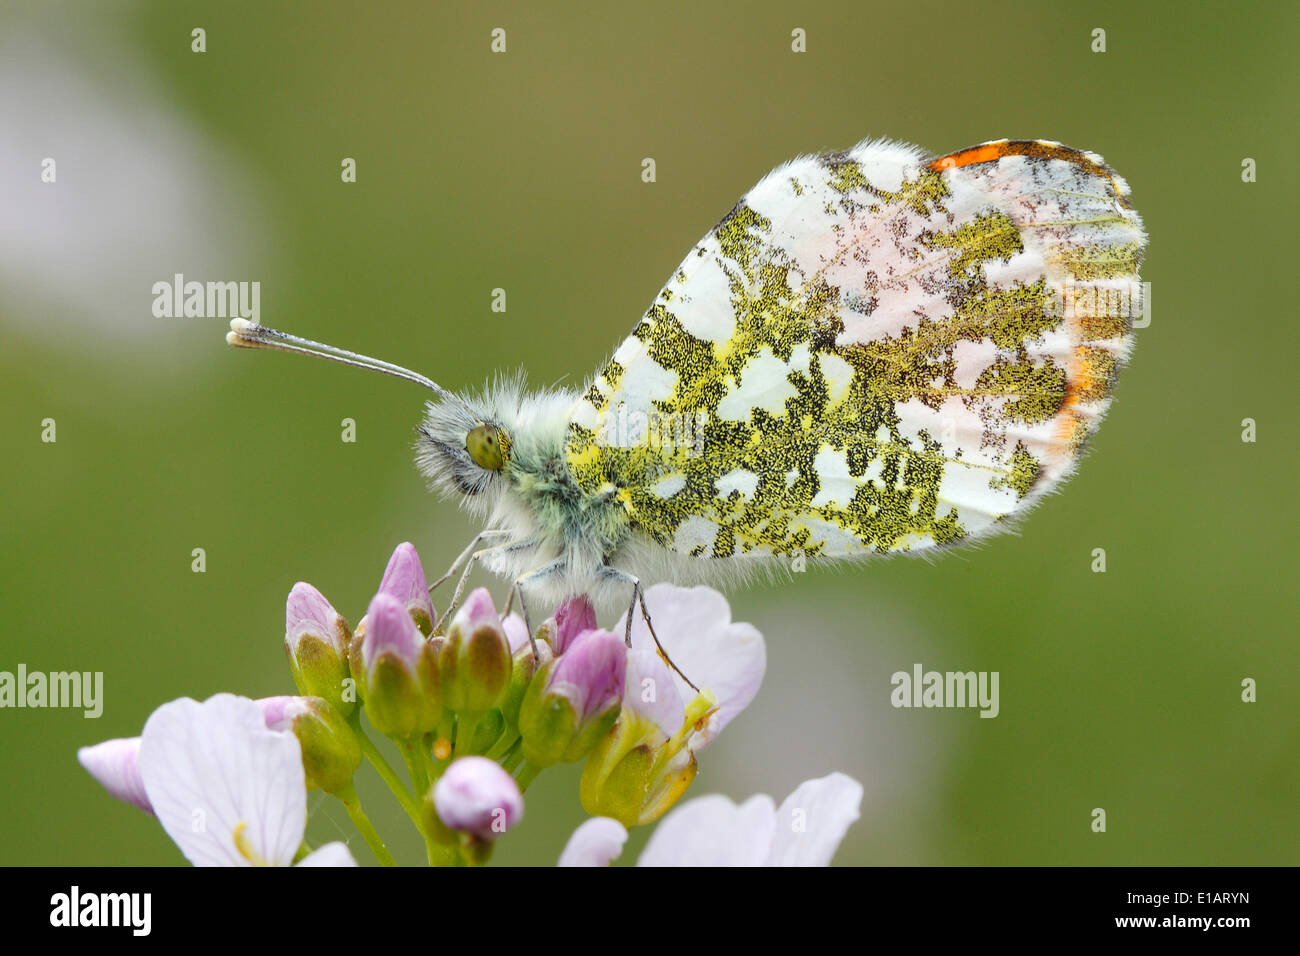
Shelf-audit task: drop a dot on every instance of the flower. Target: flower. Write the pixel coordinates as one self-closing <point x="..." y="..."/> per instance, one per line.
<point x="316" y="639"/>
<point x="647" y="761"/>
<point x="695" y="628"/>
<point x="331" y="752"/>
<point x="115" y="764"/>
<point x="806" y="830"/>
<point x="573" y="617"/>
<point x="226" y="788"/>
<point x="404" y="580"/>
<point x="477" y="797"/>
<point x="574" y="699"/>
<point x="398" y="670"/>
<point x="475" y="659"/>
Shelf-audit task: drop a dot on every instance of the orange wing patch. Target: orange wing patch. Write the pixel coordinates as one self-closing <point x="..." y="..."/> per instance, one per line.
<point x="1037" y="149"/>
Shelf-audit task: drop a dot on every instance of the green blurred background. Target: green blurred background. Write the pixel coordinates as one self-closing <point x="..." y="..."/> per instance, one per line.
<point x="522" y="171"/>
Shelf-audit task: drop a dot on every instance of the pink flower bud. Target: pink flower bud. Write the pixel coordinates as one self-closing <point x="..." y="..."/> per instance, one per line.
<point x="574" y="616"/>
<point x="404" y="580"/>
<point x="476" y="796"/>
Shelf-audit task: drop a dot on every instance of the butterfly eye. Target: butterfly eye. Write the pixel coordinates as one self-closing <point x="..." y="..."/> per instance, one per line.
<point x="488" y="447"/>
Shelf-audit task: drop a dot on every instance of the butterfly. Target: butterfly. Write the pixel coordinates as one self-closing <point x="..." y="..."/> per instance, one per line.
<point x="876" y="351"/>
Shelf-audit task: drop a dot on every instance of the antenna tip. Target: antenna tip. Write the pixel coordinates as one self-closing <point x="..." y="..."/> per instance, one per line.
<point x="241" y="326"/>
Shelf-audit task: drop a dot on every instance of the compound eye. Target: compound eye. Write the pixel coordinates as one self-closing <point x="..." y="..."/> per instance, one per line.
<point x="488" y="447"/>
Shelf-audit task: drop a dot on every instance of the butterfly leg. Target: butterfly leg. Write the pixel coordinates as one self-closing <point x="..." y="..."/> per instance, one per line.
<point x="638" y="597"/>
<point x="516" y="589"/>
<point x="465" y="555"/>
<point x="474" y="558"/>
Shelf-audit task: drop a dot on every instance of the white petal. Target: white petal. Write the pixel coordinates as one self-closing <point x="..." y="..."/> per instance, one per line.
<point x="209" y="767"/>
<point x="713" y="831"/>
<point x="813" y="820"/>
<point x="650" y="690"/>
<point x="331" y="854"/>
<point x="595" y="843"/>
<point x="694" y="625"/>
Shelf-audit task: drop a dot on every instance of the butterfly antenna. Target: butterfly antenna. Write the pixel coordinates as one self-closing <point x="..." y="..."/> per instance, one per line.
<point x="244" y="334"/>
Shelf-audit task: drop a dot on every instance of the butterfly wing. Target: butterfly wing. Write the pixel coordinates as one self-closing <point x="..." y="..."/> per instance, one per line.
<point x="873" y="351"/>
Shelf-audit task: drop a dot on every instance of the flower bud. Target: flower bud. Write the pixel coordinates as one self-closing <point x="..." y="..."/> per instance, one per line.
<point x="475" y="659"/>
<point x="316" y="639"/>
<point x="523" y="671"/>
<point x="573" y="617"/>
<point x="330" y="750"/>
<point x="115" y="764"/>
<point x="475" y="796"/>
<point x="574" y="700"/>
<point x="398" y="671"/>
<point x="404" y="580"/>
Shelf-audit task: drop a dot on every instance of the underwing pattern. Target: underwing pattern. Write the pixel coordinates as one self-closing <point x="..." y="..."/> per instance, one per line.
<point x="874" y="351"/>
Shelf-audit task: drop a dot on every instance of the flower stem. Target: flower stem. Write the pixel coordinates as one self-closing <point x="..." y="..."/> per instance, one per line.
<point x="466" y="724"/>
<point x="527" y="773"/>
<point x="512" y="757"/>
<point x="352" y="803"/>
<point x="388" y="774"/>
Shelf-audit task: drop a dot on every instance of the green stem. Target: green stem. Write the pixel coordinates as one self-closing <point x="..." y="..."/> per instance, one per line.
<point x="388" y="774"/>
<point x="513" y="757"/>
<point x="352" y="803"/>
<point x="466" y="724"/>
<point x="502" y="747"/>
<point x="527" y="773"/>
<point x="411" y="748"/>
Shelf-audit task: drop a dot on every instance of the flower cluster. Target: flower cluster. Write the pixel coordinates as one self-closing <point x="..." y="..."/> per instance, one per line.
<point x="477" y="706"/>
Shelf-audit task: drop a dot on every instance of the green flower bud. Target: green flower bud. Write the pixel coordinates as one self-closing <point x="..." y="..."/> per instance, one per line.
<point x="316" y="639"/>
<point x="398" y="671"/>
<point x="475" y="662"/>
<point x="330" y="750"/>
<point x="574" y="700"/>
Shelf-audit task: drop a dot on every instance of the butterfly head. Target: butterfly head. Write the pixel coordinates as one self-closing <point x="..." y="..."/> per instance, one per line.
<point x="463" y="450"/>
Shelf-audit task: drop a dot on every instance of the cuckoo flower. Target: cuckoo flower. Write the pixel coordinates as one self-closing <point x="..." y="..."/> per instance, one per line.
<point x="805" y="830"/>
<point x="404" y="580"/>
<point x="331" y="752"/>
<point x="226" y="788"/>
<point x="115" y="764"/>
<point x="574" y="700"/>
<point x="573" y="617"/>
<point x="475" y="659"/>
<point x="398" y="670"/>
<point x="316" y="639"/>
<point x="477" y="797"/>
<point x="647" y="761"/>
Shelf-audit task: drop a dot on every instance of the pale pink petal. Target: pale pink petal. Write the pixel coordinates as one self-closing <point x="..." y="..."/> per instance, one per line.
<point x="209" y="767"/>
<point x="331" y="854"/>
<point x="812" y="821"/>
<point x="712" y="831"/>
<point x="695" y="627"/>
<point x="516" y="632"/>
<point x="649" y="690"/>
<point x="595" y="843"/>
<point x="114" y="763"/>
